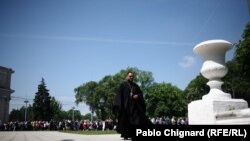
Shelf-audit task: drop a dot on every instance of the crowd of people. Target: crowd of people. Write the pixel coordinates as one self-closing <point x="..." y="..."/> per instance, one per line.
<point x="170" y="121"/>
<point x="57" y="125"/>
<point x="80" y="125"/>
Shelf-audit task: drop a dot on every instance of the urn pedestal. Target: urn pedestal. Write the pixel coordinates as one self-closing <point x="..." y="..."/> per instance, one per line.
<point x="216" y="107"/>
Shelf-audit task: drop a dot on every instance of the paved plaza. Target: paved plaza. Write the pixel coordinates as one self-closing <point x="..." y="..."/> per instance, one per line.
<point x="53" y="136"/>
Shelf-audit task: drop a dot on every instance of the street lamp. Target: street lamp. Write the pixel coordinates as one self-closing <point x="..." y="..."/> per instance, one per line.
<point x="73" y="108"/>
<point x="91" y="115"/>
<point x="73" y="120"/>
<point x="25" y="115"/>
<point x="101" y="107"/>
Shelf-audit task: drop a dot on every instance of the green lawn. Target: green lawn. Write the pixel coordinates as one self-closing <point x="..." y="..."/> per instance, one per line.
<point x="91" y="132"/>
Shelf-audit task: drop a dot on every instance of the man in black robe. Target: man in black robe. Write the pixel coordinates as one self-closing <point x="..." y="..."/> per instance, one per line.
<point x="130" y="105"/>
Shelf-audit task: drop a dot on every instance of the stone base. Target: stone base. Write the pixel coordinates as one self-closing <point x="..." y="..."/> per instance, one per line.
<point x="234" y="121"/>
<point x="233" y="117"/>
<point x="203" y="112"/>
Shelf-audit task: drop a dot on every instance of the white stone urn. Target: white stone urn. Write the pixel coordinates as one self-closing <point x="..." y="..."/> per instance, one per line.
<point x="216" y="107"/>
<point x="214" y="68"/>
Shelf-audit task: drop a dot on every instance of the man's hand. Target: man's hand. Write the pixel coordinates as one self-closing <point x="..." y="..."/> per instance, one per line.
<point x="135" y="97"/>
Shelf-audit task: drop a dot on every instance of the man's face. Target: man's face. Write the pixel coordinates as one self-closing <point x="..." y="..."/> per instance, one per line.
<point x="130" y="77"/>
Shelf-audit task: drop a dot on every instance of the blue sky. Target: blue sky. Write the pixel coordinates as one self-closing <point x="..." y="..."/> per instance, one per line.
<point x="71" y="42"/>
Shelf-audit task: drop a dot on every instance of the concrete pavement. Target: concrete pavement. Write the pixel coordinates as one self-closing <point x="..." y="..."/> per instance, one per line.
<point x="53" y="136"/>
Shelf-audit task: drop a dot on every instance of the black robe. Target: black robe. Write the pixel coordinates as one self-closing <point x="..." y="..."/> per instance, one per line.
<point x="130" y="111"/>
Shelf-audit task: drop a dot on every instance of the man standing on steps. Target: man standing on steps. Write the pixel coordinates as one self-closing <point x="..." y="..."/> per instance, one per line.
<point x="130" y="105"/>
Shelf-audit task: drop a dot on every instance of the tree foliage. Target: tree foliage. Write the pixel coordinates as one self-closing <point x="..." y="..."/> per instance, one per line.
<point x="56" y="109"/>
<point x="44" y="108"/>
<point x="41" y="104"/>
<point x="57" y="114"/>
<point x="99" y="95"/>
<point x="73" y="116"/>
<point x="242" y="54"/>
<point x="196" y="89"/>
<point x="237" y="81"/>
<point x="164" y="99"/>
<point x="19" y="114"/>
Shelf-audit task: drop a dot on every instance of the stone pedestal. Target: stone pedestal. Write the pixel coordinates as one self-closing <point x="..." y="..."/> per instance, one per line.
<point x="205" y="111"/>
<point x="216" y="107"/>
<point x="241" y="116"/>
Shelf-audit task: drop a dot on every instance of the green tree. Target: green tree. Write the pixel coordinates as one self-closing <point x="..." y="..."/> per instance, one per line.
<point x="104" y="97"/>
<point x="196" y="89"/>
<point x="88" y="117"/>
<point x="56" y="109"/>
<point x="164" y="99"/>
<point x="64" y="115"/>
<point x="99" y="95"/>
<point x="74" y="116"/>
<point x="19" y="114"/>
<point x="237" y="81"/>
<point x="143" y="78"/>
<point x="41" y="104"/>
<point x="86" y="93"/>
<point x="242" y="54"/>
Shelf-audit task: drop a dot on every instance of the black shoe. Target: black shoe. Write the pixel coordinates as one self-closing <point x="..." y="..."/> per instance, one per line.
<point x="125" y="138"/>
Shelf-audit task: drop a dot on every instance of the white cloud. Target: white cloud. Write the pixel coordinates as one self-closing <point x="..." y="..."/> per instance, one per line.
<point x="187" y="61"/>
<point x="90" y="39"/>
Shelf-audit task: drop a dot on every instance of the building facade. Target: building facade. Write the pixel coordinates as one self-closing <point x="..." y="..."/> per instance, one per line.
<point x="5" y="92"/>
